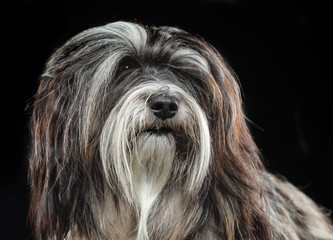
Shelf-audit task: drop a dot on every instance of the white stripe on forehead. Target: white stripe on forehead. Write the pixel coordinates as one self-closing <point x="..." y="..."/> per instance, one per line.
<point x="131" y="33"/>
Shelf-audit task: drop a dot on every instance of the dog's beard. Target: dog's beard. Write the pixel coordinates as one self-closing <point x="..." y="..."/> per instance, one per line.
<point x="144" y="154"/>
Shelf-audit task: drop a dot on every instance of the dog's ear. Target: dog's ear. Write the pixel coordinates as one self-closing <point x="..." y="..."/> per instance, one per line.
<point x="235" y="151"/>
<point x="62" y="175"/>
<point x="236" y="160"/>
<point x="230" y="134"/>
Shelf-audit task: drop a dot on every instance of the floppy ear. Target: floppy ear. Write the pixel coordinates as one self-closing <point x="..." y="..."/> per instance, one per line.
<point x="62" y="175"/>
<point x="236" y="159"/>
<point x="236" y="153"/>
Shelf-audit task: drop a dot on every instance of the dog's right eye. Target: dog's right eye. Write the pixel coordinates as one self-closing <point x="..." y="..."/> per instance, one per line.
<point x="127" y="63"/>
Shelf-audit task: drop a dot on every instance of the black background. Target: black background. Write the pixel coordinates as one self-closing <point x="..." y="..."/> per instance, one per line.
<point x="279" y="50"/>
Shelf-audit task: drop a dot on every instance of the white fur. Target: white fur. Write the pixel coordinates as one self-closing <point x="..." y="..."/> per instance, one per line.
<point x="142" y="161"/>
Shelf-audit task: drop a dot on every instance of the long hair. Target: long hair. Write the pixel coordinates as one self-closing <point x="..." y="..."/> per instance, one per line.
<point x="102" y="168"/>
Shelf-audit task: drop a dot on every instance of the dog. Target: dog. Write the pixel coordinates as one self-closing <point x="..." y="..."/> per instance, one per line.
<point x="139" y="133"/>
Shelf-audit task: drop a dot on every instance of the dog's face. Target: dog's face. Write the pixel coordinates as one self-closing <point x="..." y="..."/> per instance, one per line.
<point x="155" y="122"/>
<point x="139" y="110"/>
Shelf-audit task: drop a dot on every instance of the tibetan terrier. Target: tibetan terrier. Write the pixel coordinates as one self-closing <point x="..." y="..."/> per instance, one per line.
<point x="139" y="133"/>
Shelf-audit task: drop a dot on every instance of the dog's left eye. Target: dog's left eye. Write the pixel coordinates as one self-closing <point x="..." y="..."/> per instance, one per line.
<point x="125" y="64"/>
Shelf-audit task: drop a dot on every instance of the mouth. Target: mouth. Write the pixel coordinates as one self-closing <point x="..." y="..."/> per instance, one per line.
<point x="159" y="131"/>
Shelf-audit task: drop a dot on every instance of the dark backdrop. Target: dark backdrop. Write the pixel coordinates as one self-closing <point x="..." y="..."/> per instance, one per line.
<point x="278" y="49"/>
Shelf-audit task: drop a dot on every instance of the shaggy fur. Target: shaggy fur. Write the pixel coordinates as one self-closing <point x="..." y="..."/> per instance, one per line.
<point x="107" y="161"/>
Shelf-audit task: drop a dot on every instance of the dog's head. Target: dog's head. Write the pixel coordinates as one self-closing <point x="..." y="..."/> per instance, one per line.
<point x="123" y="106"/>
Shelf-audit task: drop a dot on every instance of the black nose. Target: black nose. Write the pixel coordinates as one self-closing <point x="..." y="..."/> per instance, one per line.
<point x="164" y="106"/>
